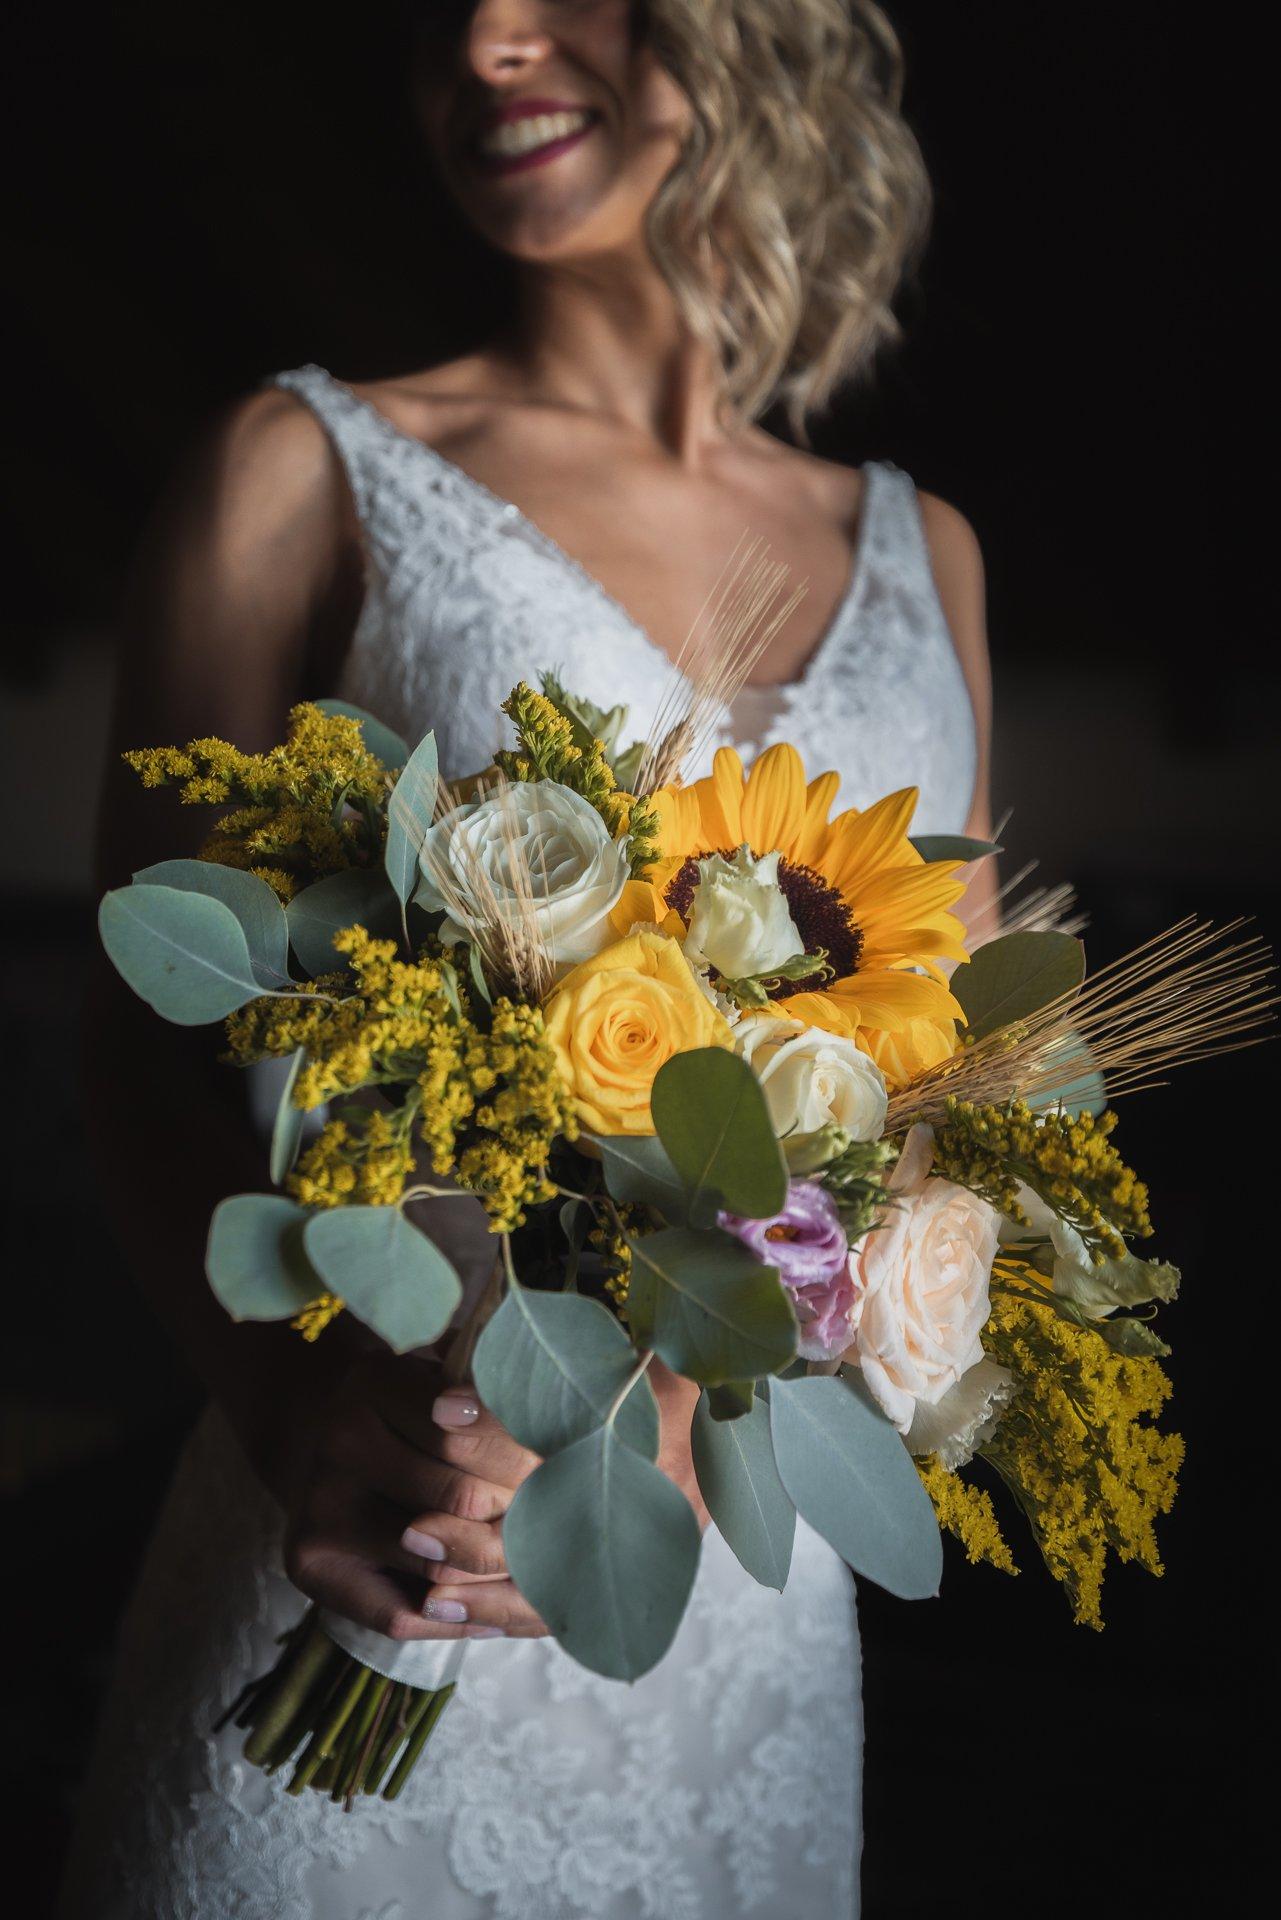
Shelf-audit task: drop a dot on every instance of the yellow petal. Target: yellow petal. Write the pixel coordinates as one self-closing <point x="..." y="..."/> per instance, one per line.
<point x="869" y="840"/>
<point x="774" y="800"/>
<point x="808" y="845"/>
<point x="721" y="801"/>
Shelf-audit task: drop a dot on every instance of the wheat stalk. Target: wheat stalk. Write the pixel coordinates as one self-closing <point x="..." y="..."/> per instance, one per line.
<point x="1182" y="996"/>
<point x="504" y="926"/>
<point x="744" y="612"/>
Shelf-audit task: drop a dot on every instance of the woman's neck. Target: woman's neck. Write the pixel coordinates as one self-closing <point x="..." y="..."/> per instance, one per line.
<point x="604" y="336"/>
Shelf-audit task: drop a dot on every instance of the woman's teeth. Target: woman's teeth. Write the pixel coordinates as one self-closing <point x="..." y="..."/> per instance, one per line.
<point x="517" y="137"/>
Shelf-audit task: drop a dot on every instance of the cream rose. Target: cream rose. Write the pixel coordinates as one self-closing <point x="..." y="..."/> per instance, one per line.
<point x="921" y="1284"/>
<point x="740" y="924"/>
<point x="535" y="849"/>
<point x="812" y="1079"/>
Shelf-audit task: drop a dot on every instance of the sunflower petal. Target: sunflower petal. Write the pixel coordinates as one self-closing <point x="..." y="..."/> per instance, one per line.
<point x="774" y="800"/>
<point x="870" y="840"/>
<point x="808" y="846"/>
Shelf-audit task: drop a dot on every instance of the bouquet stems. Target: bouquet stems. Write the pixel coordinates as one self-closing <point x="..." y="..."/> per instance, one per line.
<point x="347" y="1729"/>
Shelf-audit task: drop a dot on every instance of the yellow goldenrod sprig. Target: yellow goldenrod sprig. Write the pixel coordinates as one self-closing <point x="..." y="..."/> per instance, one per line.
<point x="1068" y="1160"/>
<point x="548" y="751"/>
<point x="309" y="807"/>
<point x="1076" y="1447"/>
<point x="966" y="1512"/>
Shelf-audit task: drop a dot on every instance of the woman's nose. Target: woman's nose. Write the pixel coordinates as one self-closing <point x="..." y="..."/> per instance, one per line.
<point x="507" y="39"/>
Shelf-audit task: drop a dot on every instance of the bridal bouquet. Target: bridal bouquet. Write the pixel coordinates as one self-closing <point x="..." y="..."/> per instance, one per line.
<point x="732" y="1092"/>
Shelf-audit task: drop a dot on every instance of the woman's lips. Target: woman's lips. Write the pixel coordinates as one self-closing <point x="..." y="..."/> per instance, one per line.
<point x="532" y="139"/>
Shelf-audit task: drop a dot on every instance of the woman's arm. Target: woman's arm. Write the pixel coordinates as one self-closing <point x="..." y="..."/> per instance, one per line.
<point x="957" y="563"/>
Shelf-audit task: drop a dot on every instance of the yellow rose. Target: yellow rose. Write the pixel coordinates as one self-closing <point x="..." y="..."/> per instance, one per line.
<point x="617" y="1018"/>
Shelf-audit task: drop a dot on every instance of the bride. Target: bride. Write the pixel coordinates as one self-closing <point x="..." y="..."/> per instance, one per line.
<point x="707" y="204"/>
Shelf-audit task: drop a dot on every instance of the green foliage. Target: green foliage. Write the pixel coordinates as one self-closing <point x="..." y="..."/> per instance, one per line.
<point x="550" y="1365"/>
<point x="255" y="1260"/>
<point x="1014" y="977"/>
<point x="359" y="897"/>
<point x="704" y="1305"/>
<point x="387" y="1273"/>
<point x="184" y="953"/>
<point x="710" y="1114"/>
<point x="255" y="905"/>
<point x="605" y="1548"/>
<point x="952" y="846"/>
<point x="738" y="1478"/>
<point x="853" y="1479"/>
<point x="287" y="1129"/>
<point x="638" y="1171"/>
<point x="409" y="816"/>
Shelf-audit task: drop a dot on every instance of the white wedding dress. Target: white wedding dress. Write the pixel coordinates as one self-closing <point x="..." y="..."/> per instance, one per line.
<point x="727" y="1781"/>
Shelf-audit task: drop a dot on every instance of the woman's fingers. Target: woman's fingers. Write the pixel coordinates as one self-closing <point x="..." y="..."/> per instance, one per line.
<point x="448" y="1423"/>
<point x="485" y="1610"/>
<point x="359" y="1447"/>
<point x="365" y="1594"/>
<point x="440" y="1539"/>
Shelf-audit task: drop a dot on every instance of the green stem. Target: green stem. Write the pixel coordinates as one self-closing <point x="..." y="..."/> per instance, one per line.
<point x="397" y="1716"/>
<point x="296" y="1673"/>
<point x="323" y="1741"/>
<point x="419" y="1732"/>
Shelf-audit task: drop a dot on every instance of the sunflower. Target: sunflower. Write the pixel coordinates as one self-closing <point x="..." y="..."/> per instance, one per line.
<point x="855" y="886"/>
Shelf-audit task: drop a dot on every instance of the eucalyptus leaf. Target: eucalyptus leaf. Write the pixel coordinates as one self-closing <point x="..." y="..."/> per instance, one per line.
<point x="287" y="1129"/>
<point x="185" y="954"/>
<point x="409" y="816"/>
<point x="550" y="1365"/>
<point x="254" y="903"/>
<point x="852" y="1478"/>
<point x="391" y="1276"/>
<point x="706" y="1307"/>
<point x="605" y="1548"/>
<point x="952" y="846"/>
<point x="738" y="1479"/>
<point x="255" y="1259"/>
<point x="359" y="896"/>
<point x="710" y="1114"/>
<point x="637" y="1169"/>
<point x="380" y="740"/>
<point x="1013" y="977"/>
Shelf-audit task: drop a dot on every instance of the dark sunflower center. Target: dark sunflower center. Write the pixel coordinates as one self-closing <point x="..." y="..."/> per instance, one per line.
<point x="822" y="917"/>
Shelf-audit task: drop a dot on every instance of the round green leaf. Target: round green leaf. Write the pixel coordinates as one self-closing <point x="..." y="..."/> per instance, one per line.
<point x="255" y="905"/>
<point x="710" y="1114"/>
<point x="358" y="897"/>
<point x="549" y="1366"/>
<point x="1015" y="976"/>
<point x="637" y="1169"/>
<point x="255" y="1258"/>
<point x="409" y="815"/>
<point x="391" y="1276"/>
<point x="605" y="1548"/>
<point x="852" y="1478"/>
<point x="704" y="1305"/>
<point x="737" y="1477"/>
<point x="380" y="740"/>
<point x="185" y="954"/>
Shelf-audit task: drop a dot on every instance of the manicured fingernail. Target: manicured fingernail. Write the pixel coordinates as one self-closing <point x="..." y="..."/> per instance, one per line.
<point x="452" y="1612"/>
<point x="484" y="1633"/>
<point x="425" y="1545"/>
<point x="456" y="1410"/>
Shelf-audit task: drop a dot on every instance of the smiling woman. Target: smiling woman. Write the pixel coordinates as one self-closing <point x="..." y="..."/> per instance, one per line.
<point x="703" y="204"/>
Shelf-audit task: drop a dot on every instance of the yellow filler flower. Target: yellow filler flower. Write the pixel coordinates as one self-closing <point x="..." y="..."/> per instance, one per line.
<point x="855" y="886"/>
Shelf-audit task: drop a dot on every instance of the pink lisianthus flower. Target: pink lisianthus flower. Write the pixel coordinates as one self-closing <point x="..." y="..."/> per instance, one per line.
<point x="807" y="1244"/>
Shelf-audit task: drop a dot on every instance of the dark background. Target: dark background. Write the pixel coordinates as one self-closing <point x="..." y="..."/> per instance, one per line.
<point x="207" y="195"/>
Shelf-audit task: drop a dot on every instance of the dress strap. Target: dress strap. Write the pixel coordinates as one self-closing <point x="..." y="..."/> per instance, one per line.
<point x="355" y="431"/>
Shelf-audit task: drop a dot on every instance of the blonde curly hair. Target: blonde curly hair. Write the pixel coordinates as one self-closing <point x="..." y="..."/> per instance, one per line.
<point x="785" y="226"/>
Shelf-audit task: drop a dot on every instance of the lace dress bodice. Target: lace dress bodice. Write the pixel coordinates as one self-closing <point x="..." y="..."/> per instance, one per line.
<point x="726" y="1782"/>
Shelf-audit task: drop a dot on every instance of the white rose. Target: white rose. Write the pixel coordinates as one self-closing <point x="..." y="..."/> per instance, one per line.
<point x="812" y="1079"/>
<point x="536" y="850"/>
<point x="921" y="1280"/>
<point x="740" y="923"/>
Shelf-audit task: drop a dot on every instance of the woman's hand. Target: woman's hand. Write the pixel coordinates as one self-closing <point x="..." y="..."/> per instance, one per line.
<point x="398" y="1525"/>
<point x="406" y="1486"/>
